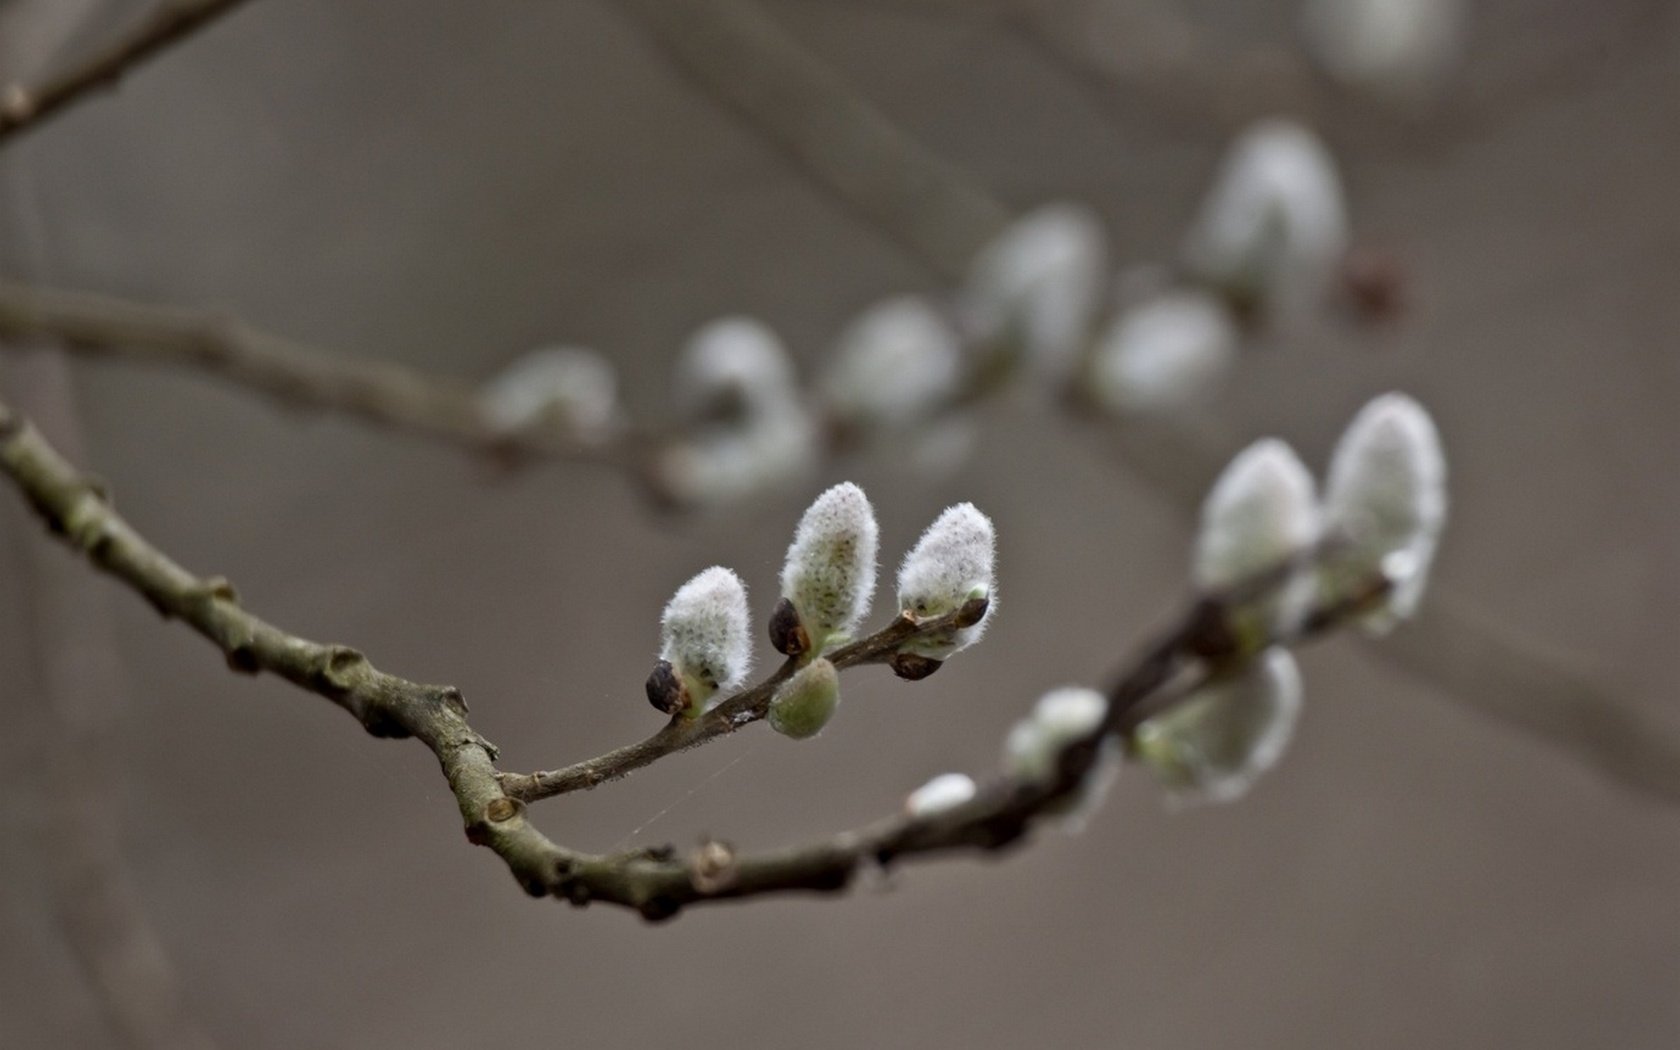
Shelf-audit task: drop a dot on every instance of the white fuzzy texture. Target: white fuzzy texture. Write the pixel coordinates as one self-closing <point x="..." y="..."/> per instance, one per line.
<point x="564" y="386"/>
<point x="723" y="464"/>
<point x="803" y="704"/>
<point x="1274" y="226"/>
<point x="1033" y="747"/>
<point x="1402" y="51"/>
<point x="829" y="575"/>
<point x="734" y="358"/>
<point x="955" y="560"/>
<point x="705" y="633"/>
<point x="940" y="795"/>
<point x="1041" y="282"/>
<point x="1213" y="745"/>
<point x="894" y="365"/>
<point x="1260" y="513"/>
<point x="1060" y="717"/>
<point x="1387" y="497"/>
<point x="1164" y="354"/>
<point x="735" y="380"/>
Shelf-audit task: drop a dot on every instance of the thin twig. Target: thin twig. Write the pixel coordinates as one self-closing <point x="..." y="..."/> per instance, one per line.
<point x="745" y="61"/>
<point x="170" y="22"/>
<point x="742" y="709"/>
<point x="294" y="374"/>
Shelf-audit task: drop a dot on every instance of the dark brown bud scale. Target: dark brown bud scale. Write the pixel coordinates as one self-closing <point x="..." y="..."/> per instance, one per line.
<point x="973" y="611"/>
<point x="913" y="667"/>
<point x="787" y="634"/>
<point x="664" y="690"/>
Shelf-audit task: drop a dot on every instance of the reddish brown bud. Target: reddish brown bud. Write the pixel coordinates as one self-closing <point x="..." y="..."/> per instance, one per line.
<point x="787" y="634"/>
<point x="665" y="691"/>
<point x="913" y="667"/>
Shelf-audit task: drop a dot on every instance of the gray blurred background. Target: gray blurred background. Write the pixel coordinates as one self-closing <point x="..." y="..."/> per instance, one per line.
<point x="449" y="184"/>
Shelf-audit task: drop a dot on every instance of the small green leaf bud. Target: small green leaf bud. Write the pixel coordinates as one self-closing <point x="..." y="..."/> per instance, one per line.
<point x="804" y="703"/>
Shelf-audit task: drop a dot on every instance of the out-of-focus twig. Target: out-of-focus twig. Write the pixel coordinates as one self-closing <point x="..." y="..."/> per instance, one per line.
<point x="844" y="142"/>
<point x="23" y="107"/>
<point x="292" y="373"/>
<point x="1187" y="85"/>
<point x="98" y="907"/>
<point x="1150" y="64"/>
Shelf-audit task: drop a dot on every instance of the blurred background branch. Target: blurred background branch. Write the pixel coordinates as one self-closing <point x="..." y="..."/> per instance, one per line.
<point x="167" y="23"/>
<point x="78" y="681"/>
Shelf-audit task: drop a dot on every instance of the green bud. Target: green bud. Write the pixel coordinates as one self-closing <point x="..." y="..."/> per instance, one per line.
<point x="805" y="702"/>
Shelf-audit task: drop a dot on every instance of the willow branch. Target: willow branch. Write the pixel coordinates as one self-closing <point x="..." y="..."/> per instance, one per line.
<point x="170" y="22"/>
<point x="746" y="62"/>
<point x="1197" y="88"/>
<point x="294" y="374"/>
<point x="657" y="883"/>
<point x="1469" y="660"/>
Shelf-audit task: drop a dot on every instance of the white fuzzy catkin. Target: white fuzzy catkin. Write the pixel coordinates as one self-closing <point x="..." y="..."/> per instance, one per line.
<point x="1260" y="512"/>
<point x="942" y="794"/>
<point x="1060" y="717"/>
<point x="1034" y="745"/>
<point x="705" y="632"/>
<point x="1041" y="283"/>
<point x="1163" y="354"/>
<point x="723" y="464"/>
<point x="1274" y="227"/>
<point x="954" y="561"/>
<point x="1214" y="744"/>
<point x="569" y="387"/>
<point x="734" y="359"/>
<point x="735" y="380"/>
<point x="895" y="364"/>
<point x="1387" y="498"/>
<point x="803" y="704"/>
<point x="1402" y="51"/>
<point x="829" y="575"/>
